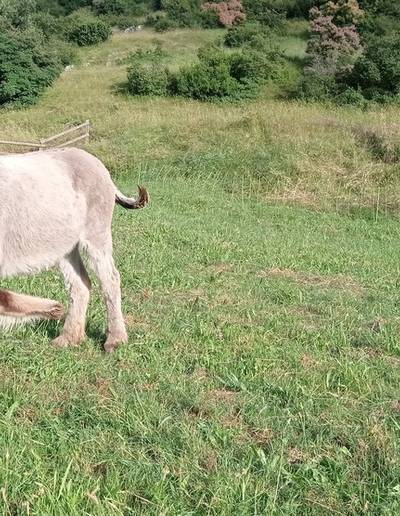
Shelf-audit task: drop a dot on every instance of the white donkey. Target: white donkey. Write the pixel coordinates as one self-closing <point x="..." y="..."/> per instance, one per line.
<point x="52" y="205"/>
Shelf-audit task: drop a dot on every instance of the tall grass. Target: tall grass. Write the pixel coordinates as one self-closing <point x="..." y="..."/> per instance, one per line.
<point x="284" y="150"/>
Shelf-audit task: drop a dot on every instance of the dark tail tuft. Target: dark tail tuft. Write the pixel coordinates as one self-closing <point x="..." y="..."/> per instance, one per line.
<point x="133" y="203"/>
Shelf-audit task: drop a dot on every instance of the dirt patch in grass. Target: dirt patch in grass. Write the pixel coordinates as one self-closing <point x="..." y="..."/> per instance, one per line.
<point x="27" y="414"/>
<point x="311" y="316"/>
<point x="296" y="456"/>
<point x="339" y="281"/>
<point x="200" y="374"/>
<point x="219" y="268"/>
<point x="395" y="406"/>
<point x="307" y="361"/>
<point x="261" y="437"/>
<point x="102" y="386"/>
<point x="132" y="321"/>
<point x="209" y="461"/>
<point x="179" y="296"/>
<point x="221" y="395"/>
<point x="233" y="421"/>
<point x="146" y="387"/>
<point x="377" y="325"/>
<point x="370" y="352"/>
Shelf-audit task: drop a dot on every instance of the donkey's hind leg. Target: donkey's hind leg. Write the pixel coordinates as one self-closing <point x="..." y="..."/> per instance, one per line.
<point x="101" y="259"/>
<point x="17" y="308"/>
<point x="78" y="283"/>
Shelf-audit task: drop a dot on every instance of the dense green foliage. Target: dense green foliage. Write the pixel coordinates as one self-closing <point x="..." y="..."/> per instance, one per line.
<point x="88" y="31"/>
<point x="147" y="79"/>
<point x="353" y="54"/>
<point x="244" y="33"/>
<point x="109" y="6"/>
<point x="383" y="7"/>
<point x="184" y="13"/>
<point x="217" y="75"/>
<point x="26" y="68"/>
<point x="146" y="75"/>
<point x="268" y="12"/>
<point x="343" y="62"/>
<point x="377" y="72"/>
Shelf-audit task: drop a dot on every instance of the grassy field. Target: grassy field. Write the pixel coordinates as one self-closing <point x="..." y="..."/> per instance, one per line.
<point x="261" y="295"/>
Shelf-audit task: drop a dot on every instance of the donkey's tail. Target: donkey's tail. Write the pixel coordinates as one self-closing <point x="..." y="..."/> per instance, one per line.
<point x="20" y="308"/>
<point x="133" y="203"/>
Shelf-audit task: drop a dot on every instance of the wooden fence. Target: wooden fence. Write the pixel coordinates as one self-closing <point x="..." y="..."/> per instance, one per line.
<point x="68" y="137"/>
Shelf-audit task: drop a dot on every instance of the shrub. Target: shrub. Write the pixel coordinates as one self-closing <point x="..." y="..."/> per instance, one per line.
<point x="17" y="13"/>
<point x="217" y="75"/>
<point x="377" y="71"/>
<point x="203" y="83"/>
<point x="50" y="6"/>
<point x="109" y="6"/>
<point x="333" y="49"/>
<point x="47" y="23"/>
<point x="381" y="7"/>
<point x="244" y="33"/>
<point x="209" y="19"/>
<point x="343" y="12"/>
<point x="163" y="23"/>
<point x="26" y="68"/>
<point x="229" y="13"/>
<point x="88" y="31"/>
<point x="63" y="50"/>
<point x="256" y="63"/>
<point x="267" y="12"/>
<point x="72" y="5"/>
<point x="381" y="25"/>
<point x="122" y="21"/>
<point x="351" y="96"/>
<point x="155" y="54"/>
<point x="210" y="78"/>
<point x="147" y="79"/>
<point x="316" y="87"/>
<point x="300" y="8"/>
<point x="146" y="74"/>
<point x="221" y="75"/>
<point x="184" y="13"/>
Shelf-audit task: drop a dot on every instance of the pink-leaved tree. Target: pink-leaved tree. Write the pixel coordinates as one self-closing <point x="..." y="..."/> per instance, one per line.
<point x="229" y="13"/>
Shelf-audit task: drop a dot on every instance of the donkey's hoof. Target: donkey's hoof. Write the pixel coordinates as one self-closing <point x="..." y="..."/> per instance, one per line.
<point x="113" y="342"/>
<point x="64" y="342"/>
<point x="57" y="312"/>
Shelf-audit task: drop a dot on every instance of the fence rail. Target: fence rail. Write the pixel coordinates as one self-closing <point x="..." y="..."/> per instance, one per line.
<point x="75" y="134"/>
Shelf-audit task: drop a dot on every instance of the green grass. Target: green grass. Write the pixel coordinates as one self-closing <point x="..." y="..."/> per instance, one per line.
<point x="261" y="374"/>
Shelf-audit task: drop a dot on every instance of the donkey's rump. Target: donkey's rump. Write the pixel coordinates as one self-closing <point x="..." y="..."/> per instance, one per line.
<point x="42" y="216"/>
